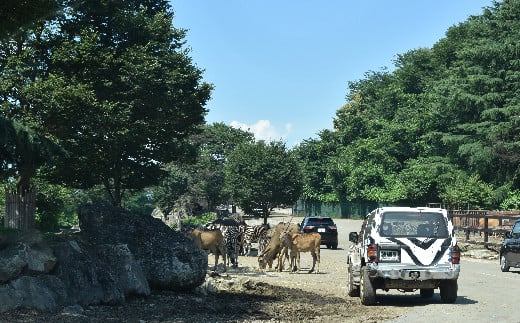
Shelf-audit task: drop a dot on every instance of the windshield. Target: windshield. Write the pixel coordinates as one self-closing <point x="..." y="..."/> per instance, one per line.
<point x="320" y="221"/>
<point x="413" y="224"/>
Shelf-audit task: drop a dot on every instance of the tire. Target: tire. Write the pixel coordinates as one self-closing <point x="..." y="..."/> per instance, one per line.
<point x="335" y="246"/>
<point x="503" y="264"/>
<point x="448" y="291"/>
<point x="367" y="292"/>
<point x="353" y="290"/>
<point x="329" y="246"/>
<point x="427" y="292"/>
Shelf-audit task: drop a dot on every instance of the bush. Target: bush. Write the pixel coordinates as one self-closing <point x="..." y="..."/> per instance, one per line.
<point x="195" y="221"/>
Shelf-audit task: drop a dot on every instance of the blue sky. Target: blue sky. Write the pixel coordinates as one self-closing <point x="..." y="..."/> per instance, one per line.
<point x="281" y="68"/>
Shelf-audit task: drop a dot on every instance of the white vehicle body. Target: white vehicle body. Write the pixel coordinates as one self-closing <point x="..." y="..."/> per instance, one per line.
<point x="407" y="249"/>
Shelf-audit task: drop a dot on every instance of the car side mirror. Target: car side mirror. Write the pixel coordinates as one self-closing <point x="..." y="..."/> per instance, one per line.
<point x="509" y="235"/>
<point x="353" y="237"/>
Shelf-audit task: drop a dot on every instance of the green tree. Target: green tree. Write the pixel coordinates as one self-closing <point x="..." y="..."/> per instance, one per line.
<point x="261" y="176"/>
<point x="112" y="80"/>
<point x="203" y="180"/>
<point x="314" y="157"/>
<point x="215" y="143"/>
<point x="16" y="14"/>
<point x="172" y="186"/>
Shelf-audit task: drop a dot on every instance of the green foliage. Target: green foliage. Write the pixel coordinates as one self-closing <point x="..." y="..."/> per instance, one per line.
<point x="173" y="185"/>
<point x="512" y="202"/>
<point x="113" y="83"/>
<point x="140" y="202"/>
<point x="261" y="176"/>
<point x="467" y="192"/>
<point x="194" y="221"/>
<point x="313" y="157"/>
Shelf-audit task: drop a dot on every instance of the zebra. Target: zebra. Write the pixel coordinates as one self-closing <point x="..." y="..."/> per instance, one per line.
<point x="232" y="237"/>
<point x="254" y="233"/>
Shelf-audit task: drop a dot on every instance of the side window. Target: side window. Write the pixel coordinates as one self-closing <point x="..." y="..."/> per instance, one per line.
<point x="516" y="230"/>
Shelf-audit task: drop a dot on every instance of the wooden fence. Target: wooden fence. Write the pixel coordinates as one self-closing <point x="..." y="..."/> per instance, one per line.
<point x="484" y="223"/>
<point x="20" y="209"/>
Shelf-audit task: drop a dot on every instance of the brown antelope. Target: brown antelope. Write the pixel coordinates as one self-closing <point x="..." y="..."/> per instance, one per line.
<point x="211" y="240"/>
<point x="302" y="242"/>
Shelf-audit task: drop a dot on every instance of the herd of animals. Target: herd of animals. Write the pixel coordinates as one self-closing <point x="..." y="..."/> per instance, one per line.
<point x="229" y="238"/>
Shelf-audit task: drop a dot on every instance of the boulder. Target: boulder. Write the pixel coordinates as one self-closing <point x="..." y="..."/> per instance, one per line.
<point x="87" y="278"/>
<point x="115" y="254"/>
<point x="168" y="259"/>
<point x="12" y="263"/>
<point x="30" y="256"/>
<point x="128" y="274"/>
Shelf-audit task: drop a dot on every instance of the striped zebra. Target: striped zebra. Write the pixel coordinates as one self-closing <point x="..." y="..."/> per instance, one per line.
<point x="254" y="233"/>
<point x="232" y="231"/>
<point x="232" y="238"/>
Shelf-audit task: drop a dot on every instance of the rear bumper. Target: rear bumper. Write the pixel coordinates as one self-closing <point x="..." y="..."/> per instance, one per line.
<point x="329" y="238"/>
<point x="412" y="273"/>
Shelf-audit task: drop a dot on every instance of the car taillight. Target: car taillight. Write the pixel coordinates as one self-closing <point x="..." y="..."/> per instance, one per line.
<point x="307" y="228"/>
<point x="332" y="228"/>
<point x="372" y="253"/>
<point x="455" y="255"/>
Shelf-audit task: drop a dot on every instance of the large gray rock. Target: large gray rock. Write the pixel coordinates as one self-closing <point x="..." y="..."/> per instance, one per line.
<point x="115" y="254"/>
<point x="87" y="278"/>
<point x="29" y="257"/>
<point x="12" y="263"/>
<point x="128" y="274"/>
<point x="43" y="292"/>
<point x="168" y="259"/>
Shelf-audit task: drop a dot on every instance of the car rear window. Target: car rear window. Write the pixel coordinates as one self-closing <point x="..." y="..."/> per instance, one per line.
<point x="408" y="224"/>
<point x="320" y="221"/>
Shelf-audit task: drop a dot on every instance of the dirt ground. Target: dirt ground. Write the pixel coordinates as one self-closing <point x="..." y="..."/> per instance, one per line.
<point x="243" y="295"/>
<point x="246" y="294"/>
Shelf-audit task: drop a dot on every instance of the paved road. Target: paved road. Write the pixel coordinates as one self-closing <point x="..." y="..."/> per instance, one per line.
<point x="485" y="294"/>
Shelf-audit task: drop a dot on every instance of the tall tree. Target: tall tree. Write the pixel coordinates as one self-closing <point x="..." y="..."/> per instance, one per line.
<point x="117" y="88"/>
<point x="261" y="176"/>
<point x="202" y="181"/>
<point x="215" y="143"/>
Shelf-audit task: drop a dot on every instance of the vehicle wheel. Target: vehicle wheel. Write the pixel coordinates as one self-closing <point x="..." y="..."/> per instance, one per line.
<point x="427" y="292"/>
<point x="367" y="292"/>
<point x="448" y="291"/>
<point x="329" y="246"/>
<point x="503" y="264"/>
<point x="353" y="290"/>
<point x="335" y="246"/>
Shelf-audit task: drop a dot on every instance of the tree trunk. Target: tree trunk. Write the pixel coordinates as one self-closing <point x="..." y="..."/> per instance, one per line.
<point x="20" y="209"/>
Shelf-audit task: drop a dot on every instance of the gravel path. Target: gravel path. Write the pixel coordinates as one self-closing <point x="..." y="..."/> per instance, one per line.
<point x="248" y="294"/>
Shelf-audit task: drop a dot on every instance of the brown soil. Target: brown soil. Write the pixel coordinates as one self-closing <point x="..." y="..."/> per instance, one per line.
<point x="245" y="294"/>
<point x="240" y="295"/>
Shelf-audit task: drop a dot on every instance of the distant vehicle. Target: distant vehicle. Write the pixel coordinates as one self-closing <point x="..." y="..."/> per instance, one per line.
<point x="404" y="248"/>
<point x="510" y="249"/>
<point x="323" y="225"/>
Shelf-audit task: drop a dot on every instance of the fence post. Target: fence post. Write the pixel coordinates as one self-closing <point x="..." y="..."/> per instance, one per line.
<point x="486" y="227"/>
<point x="20" y="209"/>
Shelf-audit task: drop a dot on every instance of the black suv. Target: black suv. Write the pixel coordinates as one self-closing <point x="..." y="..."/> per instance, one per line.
<point x="510" y="249"/>
<point x="325" y="226"/>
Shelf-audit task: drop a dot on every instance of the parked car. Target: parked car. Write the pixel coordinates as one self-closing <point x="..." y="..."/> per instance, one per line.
<point x="404" y="248"/>
<point x="510" y="249"/>
<point x="325" y="226"/>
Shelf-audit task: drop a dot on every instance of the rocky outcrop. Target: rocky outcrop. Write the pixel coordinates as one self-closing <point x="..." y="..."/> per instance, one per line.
<point x="167" y="258"/>
<point x="116" y="254"/>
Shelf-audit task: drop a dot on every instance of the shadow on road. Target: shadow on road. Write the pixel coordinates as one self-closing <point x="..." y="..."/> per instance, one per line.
<point x="413" y="300"/>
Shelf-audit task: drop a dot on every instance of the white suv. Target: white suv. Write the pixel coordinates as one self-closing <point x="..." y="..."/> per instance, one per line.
<point x="407" y="249"/>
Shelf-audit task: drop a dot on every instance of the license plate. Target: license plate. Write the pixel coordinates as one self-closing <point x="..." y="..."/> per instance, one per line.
<point x="389" y="255"/>
<point x="321" y="229"/>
